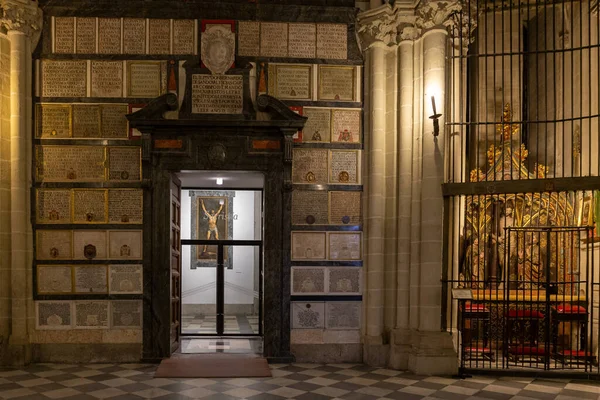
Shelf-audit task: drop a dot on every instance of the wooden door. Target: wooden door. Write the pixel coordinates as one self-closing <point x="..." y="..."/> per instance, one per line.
<point x="175" y="262"/>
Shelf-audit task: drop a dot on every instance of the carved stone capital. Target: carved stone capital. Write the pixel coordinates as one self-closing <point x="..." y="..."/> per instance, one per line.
<point x="386" y="24"/>
<point x="22" y="15"/>
<point x="457" y="16"/>
<point x="594" y="6"/>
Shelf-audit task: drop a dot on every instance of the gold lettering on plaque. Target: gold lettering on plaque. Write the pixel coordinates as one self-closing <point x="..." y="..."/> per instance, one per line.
<point x="64" y="78"/>
<point x="125" y="206"/>
<point x="309" y="207"/>
<point x="318" y="125"/>
<point x="248" y="38"/>
<point x="346" y="126"/>
<point x="290" y="82"/>
<point x="86" y="121"/>
<point x="113" y="123"/>
<point x="53" y="206"/>
<point x="134" y="36"/>
<point x="53" y="279"/>
<point x="107" y="79"/>
<point x="309" y="166"/>
<point x="332" y="41"/>
<point x="160" y="36"/>
<point x="336" y="83"/>
<point x="273" y="39"/>
<point x="343" y="167"/>
<point x="109" y="35"/>
<point x="217" y="94"/>
<point x="64" y="30"/>
<point x="344" y="246"/>
<point x="124" y="164"/>
<point x="308" y="245"/>
<point x="91" y="278"/>
<point x="183" y="36"/>
<point x="302" y="40"/>
<point x="70" y="163"/>
<point x="90" y="206"/>
<point x="53" y="244"/>
<point x="86" y="35"/>
<point x="345" y="208"/>
<point x="144" y="79"/>
<point x="53" y="121"/>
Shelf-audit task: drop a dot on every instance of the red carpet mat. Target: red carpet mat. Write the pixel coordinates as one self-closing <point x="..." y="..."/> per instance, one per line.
<point x="213" y="366"/>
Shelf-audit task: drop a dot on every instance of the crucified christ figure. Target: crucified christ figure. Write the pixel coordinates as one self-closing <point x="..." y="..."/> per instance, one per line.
<point x="212" y="222"/>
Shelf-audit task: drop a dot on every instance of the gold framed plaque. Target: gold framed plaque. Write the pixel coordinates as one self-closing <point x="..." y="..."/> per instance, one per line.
<point x="70" y="163"/>
<point x="144" y="79"/>
<point x="90" y="206"/>
<point x="337" y="83"/>
<point x="309" y="166"/>
<point x="86" y="121"/>
<point x="125" y="206"/>
<point x="344" y="166"/>
<point x="54" y="121"/>
<point x="54" y="279"/>
<point x="344" y="245"/>
<point x="290" y="81"/>
<point x="54" y="245"/>
<point x="53" y="206"/>
<point x="308" y="245"/>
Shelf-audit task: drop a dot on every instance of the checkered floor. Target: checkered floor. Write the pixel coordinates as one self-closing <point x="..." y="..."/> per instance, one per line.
<point x="240" y="323"/>
<point x="221" y="345"/>
<point x="297" y="381"/>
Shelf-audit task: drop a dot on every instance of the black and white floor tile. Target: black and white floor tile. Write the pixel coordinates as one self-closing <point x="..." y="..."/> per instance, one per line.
<point x="207" y="324"/>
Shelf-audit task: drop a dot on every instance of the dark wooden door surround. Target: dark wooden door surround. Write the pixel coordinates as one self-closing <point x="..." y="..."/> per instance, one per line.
<point x="172" y="145"/>
<point x="175" y="246"/>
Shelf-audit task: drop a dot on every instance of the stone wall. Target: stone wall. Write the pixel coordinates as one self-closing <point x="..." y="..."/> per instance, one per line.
<point x="5" y="305"/>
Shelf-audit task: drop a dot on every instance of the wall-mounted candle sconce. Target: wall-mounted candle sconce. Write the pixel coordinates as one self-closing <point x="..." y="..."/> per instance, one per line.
<point x="435" y="117"/>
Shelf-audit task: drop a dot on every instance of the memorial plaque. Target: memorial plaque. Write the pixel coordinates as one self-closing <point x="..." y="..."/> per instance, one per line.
<point x="70" y="163"/>
<point x="126" y="279"/>
<point x="86" y="121"/>
<point x="309" y="166"/>
<point x="107" y="79"/>
<point x="217" y="94"/>
<point x="273" y="39"/>
<point x="113" y="123"/>
<point x="290" y="82"/>
<point x="345" y="208"/>
<point x="86" y="36"/>
<point x="53" y="315"/>
<point x="343" y="167"/>
<point x="54" y="279"/>
<point x="307" y="280"/>
<point x="302" y="40"/>
<point x="345" y="246"/>
<point x="346" y="126"/>
<point x="90" y="279"/>
<point x="345" y="280"/>
<point x="332" y="41"/>
<point x="109" y="35"/>
<point x="90" y="206"/>
<point x="53" y="121"/>
<point x="126" y="245"/>
<point x="309" y="207"/>
<point x="53" y="206"/>
<point x="336" y="83"/>
<point x="318" y="125"/>
<point x="64" y="78"/>
<point x="125" y="206"/>
<point x="308" y="315"/>
<point x="64" y="34"/>
<point x="126" y="314"/>
<point x="342" y="315"/>
<point x="308" y="245"/>
<point x="91" y="314"/>
<point x="160" y="36"/>
<point x="53" y="245"/>
<point x="144" y="79"/>
<point x="124" y="164"/>
<point x="89" y="245"/>
<point x="183" y="36"/>
<point x="134" y="36"/>
<point x="248" y="38"/>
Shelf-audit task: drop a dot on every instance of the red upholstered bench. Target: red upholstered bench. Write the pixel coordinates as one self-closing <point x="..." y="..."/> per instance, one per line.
<point x="525" y="314"/>
<point x="524" y="341"/>
<point x="567" y="312"/>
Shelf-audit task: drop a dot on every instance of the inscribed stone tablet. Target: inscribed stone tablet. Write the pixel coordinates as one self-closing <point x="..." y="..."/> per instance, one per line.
<point x="107" y="79"/>
<point x="70" y="163"/>
<point x="53" y="245"/>
<point x="308" y="280"/>
<point x="113" y="122"/>
<point x="126" y="314"/>
<point x="64" y="78"/>
<point x="183" y="36"/>
<point x="134" y="36"/>
<point x="344" y="246"/>
<point x="109" y="35"/>
<point x="273" y="39"/>
<point x="91" y="314"/>
<point x="90" y="278"/>
<point x="89" y="245"/>
<point x="308" y="245"/>
<point x="53" y="121"/>
<point x="86" y="35"/>
<point x="53" y="206"/>
<point x="318" y="125"/>
<point x="126" y="279"/>
<point x="217" y="94"/>
<point x="160" y="36"/>
<point x="125" y="245"/>
<point x="332" y="41"/>
<point x="336" y="83"/>
<point x="290" y="82"/>
<point x="308" y="315"/>
<point x="125" y="206"/>
<point x="53" y="315"/>
<point x="89" y="206"/>
<point x="309" y="207"/>
<point x="309" y="166"/>
<point x="346" y="280"/>
<point x="144" y="79"/>
<point x="248" y="38"/>
<point x="86" y="121"/>
<point x="344" y="167"/>
<point x="346" y="126"/>
<point x="53" y="279"/>
<point x="124" y="164"/>
<point x="64" y="31"/>
<point x="345" y="208"/>
<point x="342" y="315"/>
<point x="302" y="40"/>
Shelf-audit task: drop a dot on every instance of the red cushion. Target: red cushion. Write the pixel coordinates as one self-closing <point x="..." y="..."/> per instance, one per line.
<point x="575" y="353"/>
<point x="478" y="350"/>
<point x="567" y="308"/>
<point x="528" y="350"/>
<point x="469" y="307"/>
<point x="524" y="314"/>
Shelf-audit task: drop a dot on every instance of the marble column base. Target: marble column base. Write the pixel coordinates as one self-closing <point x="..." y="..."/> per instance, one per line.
<point x="400" y="348"/>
